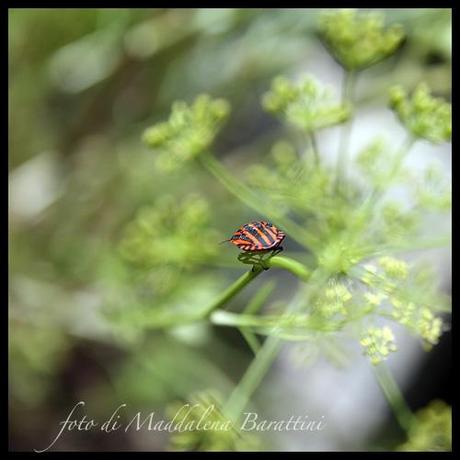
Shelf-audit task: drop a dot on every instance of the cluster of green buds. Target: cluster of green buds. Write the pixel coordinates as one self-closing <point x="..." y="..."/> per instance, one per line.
<point x="307" y="105"/>
<point x="378" y="343"/>
<point x="386" y="273"/>
<point x="432" y="430"/>
<point x="420" y="320"/>
<point x="359" y="40"/>
<point x="423" y="115"/>
<point x="208" y="428"/>
<point x="387" y="280"/>
<point x="334" y="301"/>
<point x="166" y="233"/>
<point x="394" y="268"/>
<point x="190" y="130"/>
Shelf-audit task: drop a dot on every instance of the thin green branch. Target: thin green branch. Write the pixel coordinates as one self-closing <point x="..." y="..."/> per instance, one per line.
<point x="368" y="206"/>
<point x="256" y="303"/>
<point x="231" y="291"/>
<point x="251" y="340"/>
<point x="348" y="85"/>
<point x="402" y="153"/>
<point x="253" y="307"/>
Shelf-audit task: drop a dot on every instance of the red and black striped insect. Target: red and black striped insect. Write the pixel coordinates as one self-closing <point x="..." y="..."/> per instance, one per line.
<point x="257" y="236"/>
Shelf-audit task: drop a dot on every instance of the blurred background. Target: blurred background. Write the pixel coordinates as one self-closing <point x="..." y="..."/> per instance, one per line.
<point x="83" y="86"/>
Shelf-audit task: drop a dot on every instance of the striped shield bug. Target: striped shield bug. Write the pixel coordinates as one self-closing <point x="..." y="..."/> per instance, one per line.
<point x="257" y="236"/>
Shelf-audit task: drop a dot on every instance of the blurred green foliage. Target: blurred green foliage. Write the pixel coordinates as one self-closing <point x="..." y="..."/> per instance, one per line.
<point x="424" y="116"/>
<point x="188" y="132"/>
<point x="432" y="431"/>
<point x="107" y="237"/>
<point x="358" y="40"/>
<point x="205" y="408"/>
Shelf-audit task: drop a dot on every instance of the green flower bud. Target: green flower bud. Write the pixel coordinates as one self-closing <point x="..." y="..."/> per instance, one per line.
<point x="374" y="299"/>
<point x="429" y="327"/>
<point x="334" y="300"/>
<point x="394" y="268"/>
<point x="378" y="343"/>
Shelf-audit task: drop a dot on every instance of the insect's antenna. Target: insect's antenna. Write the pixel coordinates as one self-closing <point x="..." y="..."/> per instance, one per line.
<point x="225" y="241"/>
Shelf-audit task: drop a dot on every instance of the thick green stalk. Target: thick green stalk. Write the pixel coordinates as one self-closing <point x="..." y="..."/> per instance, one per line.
<point x="390" y="389"/>
<point x="252" y="378"/>
<point x="348" y="85"/>
<point x="291" y="265"/>
<point x="232" y="290"/>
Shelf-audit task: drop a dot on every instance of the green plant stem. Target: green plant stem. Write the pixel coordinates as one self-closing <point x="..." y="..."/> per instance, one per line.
<point x="314" y="146"/>
<point x="252" y="378"/>
<point x="348" y="85"/>
<point x="390" y="389"/>
<point x="402" y="153"/>
<point x="284" y="322"/>
<point x="232" y="290"/>
<point x="170" y="320"/>
<point x="286" y="263"/>
<point x="264" y="358"/>
<point x="251" y="339"/>
<point x="291" y="265"/>
<point x="247" y="196"/>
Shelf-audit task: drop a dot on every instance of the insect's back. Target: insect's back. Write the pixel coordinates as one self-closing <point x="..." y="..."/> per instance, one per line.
<point x="257" y="236"/>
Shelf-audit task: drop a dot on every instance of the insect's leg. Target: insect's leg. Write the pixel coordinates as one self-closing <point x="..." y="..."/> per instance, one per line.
<point x="243" y="257"/>
<point x="247" y="258"/>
